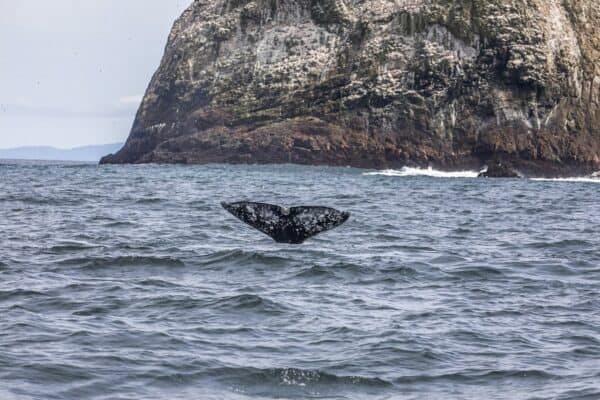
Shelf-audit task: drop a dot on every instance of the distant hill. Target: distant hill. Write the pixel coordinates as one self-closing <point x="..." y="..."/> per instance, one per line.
<point x="84" y="153"/>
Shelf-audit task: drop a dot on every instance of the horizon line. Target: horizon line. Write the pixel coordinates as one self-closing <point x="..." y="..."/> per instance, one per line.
<point x="60" y="148"/>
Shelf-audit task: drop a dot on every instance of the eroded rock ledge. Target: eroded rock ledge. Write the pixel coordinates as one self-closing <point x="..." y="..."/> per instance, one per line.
<point x="379" y="83"/>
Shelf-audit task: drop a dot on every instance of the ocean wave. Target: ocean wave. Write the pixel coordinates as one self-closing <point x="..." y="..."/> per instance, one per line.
<point x="86" y="286"/>
<point x="316" y="271"/>
<point x="95" y="310"/>
<point x="561" y="244"/>
<point x="227" y="257"/>
<point x="409" y="171"/>
<point x="150" y="200"/>
<point x="434" y="173"/>
<point x="19" y="293"/>
<point x="244" y="303"/>
<point x="334" y="270"/>
<point x="478" y="272"/>
<point x="155" y="282"/>
<point x="248" y="302"/>
<point x="576" y="179"/>
<point x="399" y="270"/>
<point x="71" y="246"/>
<point x="294" y="377"/>
<point x="76" y="165"/>
<point x="494" y="375"/>
<point x="447" y="259"/>
<point x="122" y="261"/>
<point x="43" y="201"/>
<point x="59" y="373"/>
<point x="118" y="224"/>
<point x="173" y="303"/>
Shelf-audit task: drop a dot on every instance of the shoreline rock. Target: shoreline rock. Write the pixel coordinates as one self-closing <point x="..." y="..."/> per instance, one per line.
<point x="500" y="170"/>
<point x="379" y="84"/>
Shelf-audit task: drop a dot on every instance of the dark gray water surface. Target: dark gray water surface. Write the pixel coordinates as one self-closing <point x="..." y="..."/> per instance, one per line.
<point x="132" y="283"/>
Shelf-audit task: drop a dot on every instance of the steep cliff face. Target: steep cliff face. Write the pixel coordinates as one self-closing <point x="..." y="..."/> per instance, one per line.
<point x="377" y="83"/>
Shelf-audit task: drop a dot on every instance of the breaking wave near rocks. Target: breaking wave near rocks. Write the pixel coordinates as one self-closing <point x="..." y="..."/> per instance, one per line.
<point x="409" y="171"/>
<point x="433" y="173"/>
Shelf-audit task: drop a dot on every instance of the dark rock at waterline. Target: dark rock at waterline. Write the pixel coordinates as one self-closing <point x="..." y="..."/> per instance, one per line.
<point x="500" y="170"/>
<point x="376" y="84"/>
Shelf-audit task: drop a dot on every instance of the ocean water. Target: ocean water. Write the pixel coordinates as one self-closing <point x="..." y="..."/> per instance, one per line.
<point x="131" y="282"/>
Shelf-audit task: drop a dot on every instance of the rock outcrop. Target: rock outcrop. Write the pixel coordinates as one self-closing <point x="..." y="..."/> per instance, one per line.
<point x="497" y="169"/>
<point x="377" y="83"/>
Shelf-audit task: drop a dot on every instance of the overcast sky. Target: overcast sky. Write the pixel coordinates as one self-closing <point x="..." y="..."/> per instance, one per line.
<point x="72" y="72"/>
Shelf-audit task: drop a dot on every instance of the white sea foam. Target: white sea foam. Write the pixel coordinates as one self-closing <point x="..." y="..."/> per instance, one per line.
<point x="407" y="171"/>
<point x="586" y="179"/>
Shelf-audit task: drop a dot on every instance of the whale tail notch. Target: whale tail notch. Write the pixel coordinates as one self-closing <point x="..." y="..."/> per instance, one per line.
<point x="287" y="225"/>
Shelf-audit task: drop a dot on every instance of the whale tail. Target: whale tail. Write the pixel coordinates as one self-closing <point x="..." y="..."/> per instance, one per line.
<point x="287" y="225"/>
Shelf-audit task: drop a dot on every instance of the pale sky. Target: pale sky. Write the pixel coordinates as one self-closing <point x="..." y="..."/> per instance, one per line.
<point x="72" y="72"/>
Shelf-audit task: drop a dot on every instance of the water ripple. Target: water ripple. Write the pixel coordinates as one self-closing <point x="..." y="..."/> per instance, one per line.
<point x="131" y="282"/>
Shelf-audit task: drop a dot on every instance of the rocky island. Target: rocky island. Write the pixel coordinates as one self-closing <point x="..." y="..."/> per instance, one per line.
<point x="377" y="84"/>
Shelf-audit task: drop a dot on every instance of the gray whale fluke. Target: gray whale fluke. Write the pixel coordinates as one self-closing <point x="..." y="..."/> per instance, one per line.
<point x="287" y="225"/>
